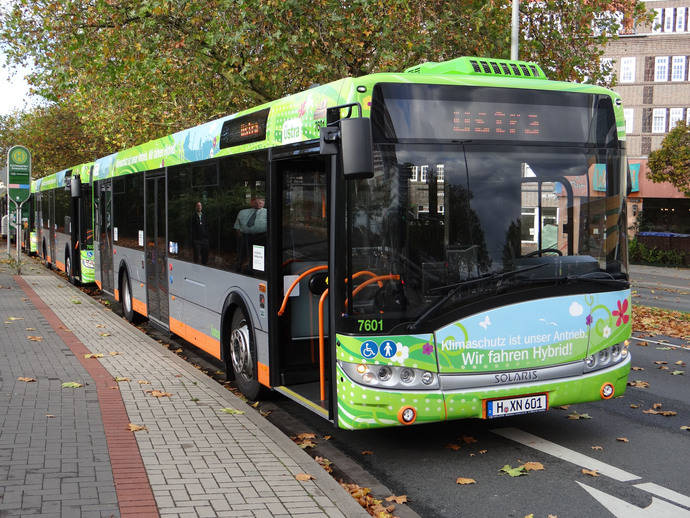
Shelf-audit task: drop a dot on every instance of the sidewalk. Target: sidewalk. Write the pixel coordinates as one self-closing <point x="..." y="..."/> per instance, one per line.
<point x="192" y="461"/>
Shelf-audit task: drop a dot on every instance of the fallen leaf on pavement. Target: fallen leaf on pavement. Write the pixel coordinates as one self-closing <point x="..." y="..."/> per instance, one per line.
<point x="75" y="301"/>
<point x="638" y="383"/>
<point x="660" y="363"/>
<point x="563" y="407"/>
<point x="533" y="466"/>
<point x="575" y="415"/>
<point x="685" y="427"/>
<point x="637" y="368"/>
<point x="15" y="318"/>
<point x="103" y="334"/>
<point x="597" y="448"/>
<point x="680" y="362"/>
<point x="114" y="353"/>
<point x="465" y="481"/>
<point x="35" y="338"/>
<point x="633" y="405"/>
<point x="144" y="382"/>
<point x="677" y="373"/>
<point x="482" y="452"/>
<point x="324" y="463"/>
<point x="137" y="427"/>
<point x="402" y="499"/>
<point x="643" y="344"/>
<point x="71" y="384"/>
<point x="590" y="472"/>
<point x="327" y="437"/>
<point x="121" y="378"/>
<point x="50" y="416"/>
<point x="304" y="476"/>
<point x="305" y="435"/>
<point x="367" y="452"/>
<point x="27" y="380"/>
<point x="159" y="393"/>
<point x="232" y="411"/>
<point x="622" y="439"/>
<point x="453" y="446"/>
<point x="468" y="439"/>
<point x="93" y="355"/>
<point x="513" y="472"/>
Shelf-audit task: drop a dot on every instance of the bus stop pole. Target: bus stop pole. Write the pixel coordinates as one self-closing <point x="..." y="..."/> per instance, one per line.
<point x="19" y="232"/>
<point x="515" y="30"/>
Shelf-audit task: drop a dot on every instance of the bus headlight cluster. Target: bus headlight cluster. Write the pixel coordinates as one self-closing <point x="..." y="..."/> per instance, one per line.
<point x="390" y="376"/>
<point x="607" y="357"/>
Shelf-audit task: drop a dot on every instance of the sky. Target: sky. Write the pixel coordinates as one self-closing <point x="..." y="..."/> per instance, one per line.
<point x="14" y="90"/>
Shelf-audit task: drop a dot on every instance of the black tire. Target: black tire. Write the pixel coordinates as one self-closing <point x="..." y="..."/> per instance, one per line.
<point x="242" y="355"/>
<point x="68" y="268"/>
<point x="126" y="298"/>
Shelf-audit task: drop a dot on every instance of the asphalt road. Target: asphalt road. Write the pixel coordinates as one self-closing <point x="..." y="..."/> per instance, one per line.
<point x="667" y="288"/>
<point x="416" y="462"/>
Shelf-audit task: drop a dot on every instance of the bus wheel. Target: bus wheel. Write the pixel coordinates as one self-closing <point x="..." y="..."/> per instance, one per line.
<point x="126" y="298"/>
<point x="243" y="356"/>
<point x="68" y="268"/>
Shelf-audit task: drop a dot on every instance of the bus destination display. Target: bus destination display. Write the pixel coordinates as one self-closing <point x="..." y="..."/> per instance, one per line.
<point x="497" y="123"/>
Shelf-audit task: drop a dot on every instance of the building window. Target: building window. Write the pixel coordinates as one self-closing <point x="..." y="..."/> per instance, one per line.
<point x="661" y="68"/>
<point x="413" y="174"/>
<point x="646" y="146"/>
<point x="648" y="95"/>
<point x="675" y="114"/>
<point x="680" y="19"/>
<point x="606" y="64"/>
<point x="687" y="116"/>
<point x="440" y="173"/>
<point x="668" y="19"/>
<point x="656" y="24"/>
<point x="628" y="70"/>
<point x="659" y="120"/>
<point x="678" y="68"/>
<point x="423" y="170"/>
<point x="628" y="114"/>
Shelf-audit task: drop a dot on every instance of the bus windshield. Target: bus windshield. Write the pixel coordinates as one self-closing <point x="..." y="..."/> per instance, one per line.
<point x="446" y="223"/>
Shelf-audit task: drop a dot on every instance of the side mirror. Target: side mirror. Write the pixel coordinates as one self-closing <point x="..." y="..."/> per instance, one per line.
<point x="356" y="148"/>
<point x="75" y="186"/>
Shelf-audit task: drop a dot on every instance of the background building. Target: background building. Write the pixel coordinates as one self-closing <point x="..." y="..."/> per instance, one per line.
<point x="651" y="63"/>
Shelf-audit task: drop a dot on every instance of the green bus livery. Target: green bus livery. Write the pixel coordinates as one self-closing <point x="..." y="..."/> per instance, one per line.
<point x="442" y="243"/>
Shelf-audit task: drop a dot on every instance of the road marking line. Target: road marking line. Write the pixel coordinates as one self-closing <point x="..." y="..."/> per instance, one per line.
<point x="622" y="509"/>
<point x="668" y="494"/>
<point x="660" y="343"/>
<point x="564" y="453"/>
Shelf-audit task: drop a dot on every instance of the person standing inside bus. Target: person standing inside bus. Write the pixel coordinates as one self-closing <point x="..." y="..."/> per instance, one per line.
<point x="199" y="233"/>
<point x="251" y="227"/>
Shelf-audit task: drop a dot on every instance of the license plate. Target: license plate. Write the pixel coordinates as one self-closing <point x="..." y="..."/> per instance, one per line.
<point x="516" y="405"/>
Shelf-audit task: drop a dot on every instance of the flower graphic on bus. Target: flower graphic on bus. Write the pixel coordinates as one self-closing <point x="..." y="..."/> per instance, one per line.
<point x="427" y="348"/>
<point x="588" y="320"/>
<point x="621" y="312"/>
<point x="606" y="332"/>
<point x="401" y="354"/>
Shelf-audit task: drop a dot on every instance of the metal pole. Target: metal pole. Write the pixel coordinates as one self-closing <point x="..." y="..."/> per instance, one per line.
<point x="515" y="30"/>
<point x="19" y="258"/>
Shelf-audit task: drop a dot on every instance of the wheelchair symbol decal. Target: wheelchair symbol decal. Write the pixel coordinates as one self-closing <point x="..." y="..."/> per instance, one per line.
<point x="369" y="349"/>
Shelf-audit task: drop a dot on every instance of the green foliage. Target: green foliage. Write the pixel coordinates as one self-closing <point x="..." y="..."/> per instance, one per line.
<point x="133" y="70"/>
<point x="671" y="163"/>
<point x="639" y="253"/>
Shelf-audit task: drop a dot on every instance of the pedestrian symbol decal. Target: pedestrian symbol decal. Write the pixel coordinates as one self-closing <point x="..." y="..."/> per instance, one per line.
<point x="369" y="349"/>
<point x="388" y="349"/>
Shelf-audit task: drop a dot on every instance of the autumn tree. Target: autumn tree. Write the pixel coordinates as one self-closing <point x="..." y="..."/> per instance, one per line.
<point x="139" y="69"/>
<point x="54" y="134"/>
<point x="671" y="163"/>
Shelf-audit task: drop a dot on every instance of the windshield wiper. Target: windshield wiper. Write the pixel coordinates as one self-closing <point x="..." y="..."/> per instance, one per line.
<point x="604" y="278"/>
<point x="456" y="287"/>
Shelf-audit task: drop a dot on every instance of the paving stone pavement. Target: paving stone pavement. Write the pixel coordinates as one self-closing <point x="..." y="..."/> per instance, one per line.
<point x="200" y="461"/>
<point x="53" y="454"/>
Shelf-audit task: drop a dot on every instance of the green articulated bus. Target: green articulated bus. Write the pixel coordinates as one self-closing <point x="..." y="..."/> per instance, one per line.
<point x="442" y="243"/>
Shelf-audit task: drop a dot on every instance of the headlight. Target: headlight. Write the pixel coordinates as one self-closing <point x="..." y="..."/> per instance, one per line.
<point x="609" y="356"/>
<point x="390" y="376"/>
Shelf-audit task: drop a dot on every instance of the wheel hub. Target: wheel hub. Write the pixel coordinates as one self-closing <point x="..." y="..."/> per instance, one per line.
<point x="127" y="298"/>
<point x="240" y="352"/>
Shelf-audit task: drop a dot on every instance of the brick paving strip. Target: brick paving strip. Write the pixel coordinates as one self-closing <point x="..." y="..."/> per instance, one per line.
<point x="53" y="451"/>
<point x="134" y="493"/>
<point x="200" y="461"/>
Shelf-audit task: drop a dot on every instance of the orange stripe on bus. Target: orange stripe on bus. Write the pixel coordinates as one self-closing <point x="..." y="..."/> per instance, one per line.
<point x="201" y="340"/>
<point x="117" y="295"/>
<point x="139" y="306"/>
<point x="60" y="265"/>
<point x="99" y="284"/>
<point x="262" y="374"/>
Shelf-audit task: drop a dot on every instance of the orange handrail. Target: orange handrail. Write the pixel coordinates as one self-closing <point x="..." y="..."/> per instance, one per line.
<point x="295" y="282"/>
<point x="378" y="279"/>
<point x="366" y="272"/>
<point x="322" y="360"/>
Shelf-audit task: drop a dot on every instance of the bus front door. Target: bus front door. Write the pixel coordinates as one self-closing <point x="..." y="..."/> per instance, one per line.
<point x="156" y="250"/>
<point x="302" y="261"/>
<point x="105" y="235"/>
